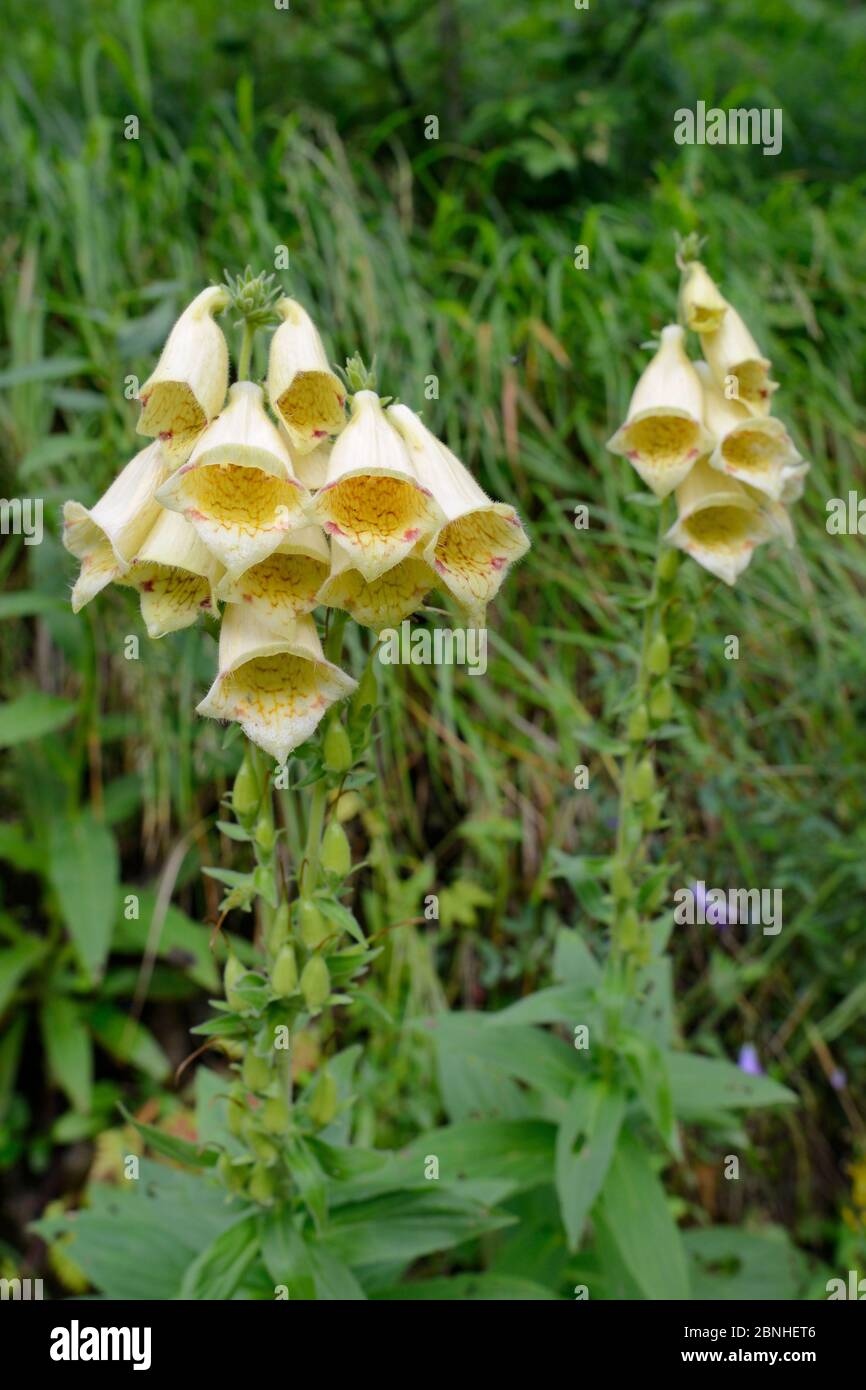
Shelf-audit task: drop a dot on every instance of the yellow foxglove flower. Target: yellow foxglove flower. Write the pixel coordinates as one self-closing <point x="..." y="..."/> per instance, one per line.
<point x="372" y="501"/>
<point x="187" y="388"/>
<point x="276" y="688"/>
<point x="754" y="449"/>
<point x="286" y="583"/>
<point x="382" y="602"/>
<point x="737" y="363"/>
<point x="238" y="487"/>
<point x="175" y="575"/>
<point x="664" y="433"/>
<point x="303" y="391"/>
<point x="793" y="481"/>
<point x="479" y="539"/>
<point x="106" y="536"/>
<point x="718" y="523"/>
<point x="702" y="306"/>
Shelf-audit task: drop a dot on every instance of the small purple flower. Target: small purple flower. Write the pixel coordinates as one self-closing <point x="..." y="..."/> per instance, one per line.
<point x="748" y="1060"/>
<point x="838" y="1079"/>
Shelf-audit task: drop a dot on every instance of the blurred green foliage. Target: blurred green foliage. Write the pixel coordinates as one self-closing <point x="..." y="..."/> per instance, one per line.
<point x="305" y="128"/>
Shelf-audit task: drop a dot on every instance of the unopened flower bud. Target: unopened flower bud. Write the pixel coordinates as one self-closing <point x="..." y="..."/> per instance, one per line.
<point x="284" y="974"/>
<point x="620" y="882"/>
<point x="232" y="974"/>
<point x="682" y="627"/>
<point x="662" y="701"/>
<point x="278" y="932"/>
<point x="336" y="855"/>
<point x="323" y="1104"/>
<point x="658" y="655"/>
<point x="245" y="792"/>
<point x="638" y="724"/>
<point x="337" y="748"/>
<point x="311" y="924"/>
<point x="669" y="565"/>
<point x="237" y="1110"/>
<point x="643" y="780"/>
<point x="265" y="834"/>
<point x="367" y="692"/>
<point x="275" y="1115"/>
<point x="315" y="983"/>
<point x="256" y="1071"/>
<point x="262" y="1185"/>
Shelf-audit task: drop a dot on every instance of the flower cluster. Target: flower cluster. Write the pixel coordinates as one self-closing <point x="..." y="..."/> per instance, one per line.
<point x="704" y="430"/>
<point x="273" y="514"/>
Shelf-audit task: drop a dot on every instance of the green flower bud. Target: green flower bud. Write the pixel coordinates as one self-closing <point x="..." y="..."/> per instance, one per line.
<point x="337" y="748"/>
<point x="245" y="792"/>
<point x="265" y="835"/>
<point x="263" y="1147"/>
<point x="366" y="695"/>
<point x="262" y="1185"/>
<point x="315" y="983"/>
<point x="658" y="655"/>
<point x="336" y="854"/>
<point x="311" y="924"/>
<point x="620" y="882"/>
<point x="662" y="701"/>
<point x="278" y="932"/>
<point x="284" y="972"/>
<point x="232" y="974"/>
<point x="668" y="566"/>
<point x="256" y="1072"/>
<point x="683" y="627"/>
<point x="275" y="1115"/>
<point x="643" y="780"/>
<point x="638" y="724"/>
<point x="323" y="1103"/>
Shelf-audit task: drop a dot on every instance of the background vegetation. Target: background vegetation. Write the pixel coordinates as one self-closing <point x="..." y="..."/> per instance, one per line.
<point x="306" y="128"/>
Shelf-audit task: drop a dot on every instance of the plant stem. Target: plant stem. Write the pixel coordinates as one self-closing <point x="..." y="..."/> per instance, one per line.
<point x="246" y="353"/>
<point x="630" y="842"/>
<point x="318" y="804"/>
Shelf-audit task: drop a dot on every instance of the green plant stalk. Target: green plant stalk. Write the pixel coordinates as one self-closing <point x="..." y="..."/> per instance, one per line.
<point x="630" y="838"/>
<point x="316" y="822"/>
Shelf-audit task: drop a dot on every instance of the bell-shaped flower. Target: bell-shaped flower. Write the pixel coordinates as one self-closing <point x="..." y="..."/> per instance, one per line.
<point x="754" y="449"/>
<point x="739" y="367"/>
<point x="718" y="522"/>
<point x="175" y="575"/>
<point x="187" y="388"/>
<point x="311" y="469"/>
<point x="702" y="306"/>
<point x="303" y="391"/>
<point x="664" y="433"/>
<point x="286" y="583"/>
<point x="276" y="688"/>
<point x="382" y="602"/>
<point x="478" y="539"/>
<point x="105" y="537"/>
<point x="373" y="502"/>
<point x="238" y="488"/>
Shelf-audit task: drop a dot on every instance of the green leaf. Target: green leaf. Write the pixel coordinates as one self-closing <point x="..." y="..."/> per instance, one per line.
<point x="341" y="917"/>
<point x="218" y="1270"/>
<point x="170" y="1146"/>
<point x="286" y="1255"/>
<point x="400" y="1228"/>
<point x="569" y="1004"/>
<point x="635" y="1210"/>
<point x="68" y="1050"/>
<point x="584" y="1148"/>
<point x="487" y="1288"/>
<point x="33" y="716"/>
<point x="573" y="962"/>
<point x="15" y="963"/>
<point x="29" y="603"/>
<point x="128" y="1041"/>
<point x="539" y="1059"/>
<point x="703" y="1085"/>
<point x="46" y="369"/>
<point x="136" y="1241"/>
<point x="11" y="1045"/>
<point x="20" y="849"/>
<point x="84" y="872"/>
<point x="730" y="1263"/>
